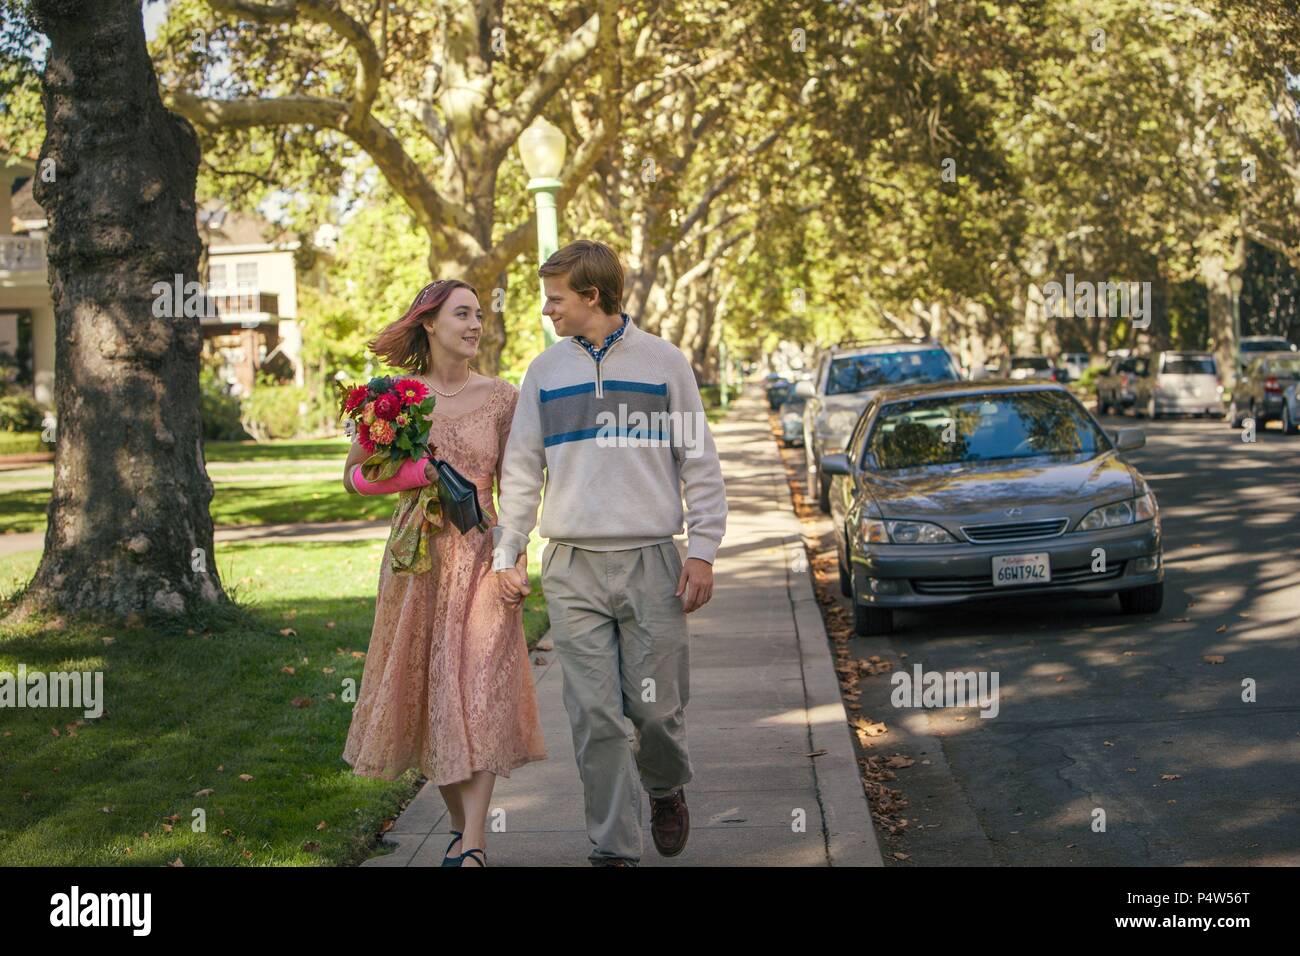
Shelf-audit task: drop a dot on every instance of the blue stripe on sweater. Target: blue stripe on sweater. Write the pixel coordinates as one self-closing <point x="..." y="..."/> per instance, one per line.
<point x="550" y="395"/>
<point x="611" y="385"/>
<point x="610" y="432"/>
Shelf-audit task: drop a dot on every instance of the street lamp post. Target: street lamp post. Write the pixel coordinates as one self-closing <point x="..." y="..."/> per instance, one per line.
<point x="541" y="147"/>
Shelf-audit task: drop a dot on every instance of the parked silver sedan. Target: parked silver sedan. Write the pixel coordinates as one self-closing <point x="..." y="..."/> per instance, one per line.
<point x="973" y="490"/>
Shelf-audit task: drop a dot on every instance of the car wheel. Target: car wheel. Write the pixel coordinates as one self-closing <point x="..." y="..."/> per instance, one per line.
<point x="1288" y="424"/>
<point x="824" y="496"/>
<point x="1101" y="404"/>
<point x="1260" y="421"/>
<point x="1144" y="600"/>
<point x="846" y="580"/>
<point x="1152" y="412"/>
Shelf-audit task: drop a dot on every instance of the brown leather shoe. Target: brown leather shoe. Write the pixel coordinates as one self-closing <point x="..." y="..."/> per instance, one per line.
<point x="670" y="822"/>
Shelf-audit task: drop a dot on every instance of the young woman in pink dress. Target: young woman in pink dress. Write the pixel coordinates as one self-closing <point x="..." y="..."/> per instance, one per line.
<point x="447" y="685"/>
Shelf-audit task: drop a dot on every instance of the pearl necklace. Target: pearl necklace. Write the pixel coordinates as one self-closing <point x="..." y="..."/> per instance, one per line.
<point x="455" y="393"/>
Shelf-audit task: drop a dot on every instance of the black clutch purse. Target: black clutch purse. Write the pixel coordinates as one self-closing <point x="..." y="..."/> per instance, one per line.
<point x="459" y="499"/>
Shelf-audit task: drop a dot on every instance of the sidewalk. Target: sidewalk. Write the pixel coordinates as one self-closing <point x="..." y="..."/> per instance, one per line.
<point x="764" y="698"/>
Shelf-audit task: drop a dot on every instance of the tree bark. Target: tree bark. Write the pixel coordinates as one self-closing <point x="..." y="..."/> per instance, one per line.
<point x="129" y="528"/>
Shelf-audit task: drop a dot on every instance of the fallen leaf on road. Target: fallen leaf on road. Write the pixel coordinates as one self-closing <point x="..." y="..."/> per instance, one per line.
<point x="1170" y="776"/>
<point x="815" y="753"/>
<point x="1214" y="658"/>
<point x="1220" y="629"/>
<point x="898" y="761"/>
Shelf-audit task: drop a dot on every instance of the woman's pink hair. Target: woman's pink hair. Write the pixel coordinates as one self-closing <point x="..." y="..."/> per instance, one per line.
<point x="405" y="344"/>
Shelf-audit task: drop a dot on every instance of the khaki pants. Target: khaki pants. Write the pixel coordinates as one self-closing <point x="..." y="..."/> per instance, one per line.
<point x="621" y="637"/>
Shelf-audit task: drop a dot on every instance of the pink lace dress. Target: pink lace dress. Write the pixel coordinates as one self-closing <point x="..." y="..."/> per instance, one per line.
<point x="447" y="685"/>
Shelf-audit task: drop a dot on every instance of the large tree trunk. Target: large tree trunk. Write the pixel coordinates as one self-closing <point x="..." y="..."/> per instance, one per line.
<point x="129" y="528"/>
<point x="1216" y="271"/>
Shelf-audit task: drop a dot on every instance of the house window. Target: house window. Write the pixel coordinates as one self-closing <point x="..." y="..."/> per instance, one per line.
<point x="217" y="276"/>
<point x="246" y="275"/>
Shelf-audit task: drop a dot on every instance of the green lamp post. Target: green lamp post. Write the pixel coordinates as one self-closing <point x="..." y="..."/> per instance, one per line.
<point x="541" y="147"/>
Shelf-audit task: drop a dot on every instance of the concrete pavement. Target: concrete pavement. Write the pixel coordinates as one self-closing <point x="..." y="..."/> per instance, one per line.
<point x="768" y="734"/>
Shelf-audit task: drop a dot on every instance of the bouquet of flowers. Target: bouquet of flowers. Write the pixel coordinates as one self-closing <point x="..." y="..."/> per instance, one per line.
<point x="391" y="419"/>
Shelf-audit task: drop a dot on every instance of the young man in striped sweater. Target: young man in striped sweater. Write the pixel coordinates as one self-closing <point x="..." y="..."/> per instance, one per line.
<point x="610" y="420"/>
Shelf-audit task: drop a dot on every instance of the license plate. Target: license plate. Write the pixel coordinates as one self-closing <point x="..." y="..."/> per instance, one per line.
<point x="1018" y="569"/>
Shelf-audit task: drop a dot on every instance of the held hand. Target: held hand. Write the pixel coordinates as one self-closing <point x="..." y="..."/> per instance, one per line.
<point x="513" y="582"/>
<point x="697" y="582"/>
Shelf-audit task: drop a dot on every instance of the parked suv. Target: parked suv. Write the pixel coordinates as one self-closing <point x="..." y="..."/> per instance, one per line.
<point x="847" y="377"/>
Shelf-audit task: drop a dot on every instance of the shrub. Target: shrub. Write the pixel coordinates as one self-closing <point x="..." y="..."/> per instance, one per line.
<point x="218" y="409"/>
<point x="275" y="411"/>
<point x="20" y="413"/>
<point x="1089" y="377"/>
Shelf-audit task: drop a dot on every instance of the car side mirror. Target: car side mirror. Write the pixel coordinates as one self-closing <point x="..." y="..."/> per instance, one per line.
<point x="835" y="464"/>
<point x="804" y="389"/>
<point x="1127" y="439"/>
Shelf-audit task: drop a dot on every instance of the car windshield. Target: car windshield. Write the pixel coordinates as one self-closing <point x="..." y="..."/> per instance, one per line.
<point x="856" y="373"/>
<point x="968" y="428"/>
<point x="1034" y="363"/>
<point x="1185" y="365"/>
<point x="1267" y="345"/>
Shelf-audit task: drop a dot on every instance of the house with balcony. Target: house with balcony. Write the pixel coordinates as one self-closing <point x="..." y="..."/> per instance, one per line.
<point x="26" y="309"/>
<point x="251" y="269"/>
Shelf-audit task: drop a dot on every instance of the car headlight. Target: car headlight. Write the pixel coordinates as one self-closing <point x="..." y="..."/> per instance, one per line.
<point x="1131" y="511"/>
<point x="902" y="532"/>
<point x="917" y="532"/>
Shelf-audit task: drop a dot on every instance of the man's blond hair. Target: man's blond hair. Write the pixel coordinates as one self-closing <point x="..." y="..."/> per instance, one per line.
<point x="589" y="265"/>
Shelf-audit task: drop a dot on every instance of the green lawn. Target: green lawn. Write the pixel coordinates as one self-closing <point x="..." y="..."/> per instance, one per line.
<point x="280" y="482"/>
<point x="188" y="709"/>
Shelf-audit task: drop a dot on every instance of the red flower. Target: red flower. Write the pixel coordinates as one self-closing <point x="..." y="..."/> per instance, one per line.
<point x="411" y="391"/>
<point x="387" y="406"/>
<point x="355" y="397"/>
<point x="363" y="437"/>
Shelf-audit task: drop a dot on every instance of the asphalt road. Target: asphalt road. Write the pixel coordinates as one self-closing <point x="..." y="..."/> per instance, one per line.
<point x="1099" y="710"/>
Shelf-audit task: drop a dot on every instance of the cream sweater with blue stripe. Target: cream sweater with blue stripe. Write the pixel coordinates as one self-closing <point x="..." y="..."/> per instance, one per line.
<point x="616" y="443"/>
